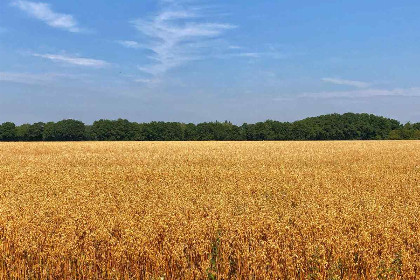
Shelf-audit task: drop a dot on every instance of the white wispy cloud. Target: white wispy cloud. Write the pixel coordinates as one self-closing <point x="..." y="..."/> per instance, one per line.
<point x="43" y="12"/>
<point x="31" y="78"/>
<point x="357" y="94"/>
<point x="344" y="82"/>
<point x="401" y="92"/>
<point x="74" y="60"/>
<point x="176" y="36"/>
<point x="130" y="44"/>
<point x="257" y="55"/>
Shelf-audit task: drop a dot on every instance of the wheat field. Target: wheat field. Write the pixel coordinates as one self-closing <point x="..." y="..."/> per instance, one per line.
<point x="210" y="210"/>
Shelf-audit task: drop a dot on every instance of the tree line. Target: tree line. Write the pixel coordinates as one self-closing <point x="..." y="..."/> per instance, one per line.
<point x="349" y="126"/>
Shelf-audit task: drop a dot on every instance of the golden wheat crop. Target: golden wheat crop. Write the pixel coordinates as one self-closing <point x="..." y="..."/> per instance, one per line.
<point x="209" y="210"/>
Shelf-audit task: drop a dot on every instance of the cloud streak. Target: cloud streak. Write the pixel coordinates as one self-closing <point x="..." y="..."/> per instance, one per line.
<point x="176" y="36"/>
<point x="130" y="44"/>
<point x="344" y="82"/>
<point x="366" y="93"/>
<point x="79" y="61"/>
<point x="43" y="12"/>
<point x="254" y="55"/>
<point x="356" y="94"/>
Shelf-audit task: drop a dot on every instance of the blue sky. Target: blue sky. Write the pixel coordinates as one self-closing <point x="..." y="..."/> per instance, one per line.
<point x="194" y="61"/>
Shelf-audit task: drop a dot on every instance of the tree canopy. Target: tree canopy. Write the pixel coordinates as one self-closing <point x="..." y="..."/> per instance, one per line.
<point x="347" y="126"/>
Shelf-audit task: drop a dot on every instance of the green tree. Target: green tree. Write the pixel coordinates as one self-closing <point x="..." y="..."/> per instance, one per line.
<point x="113" y="130"/>
<point x="22" y="132"/>
<point x="8" y="132"/>
<point x="49" y="133"/>
<point x="70" y="130"/>
<point x="65" y="130"/>
<point x="161" y="131"/>
<point x="190" y="132"/>
<point x="35" y="132"/>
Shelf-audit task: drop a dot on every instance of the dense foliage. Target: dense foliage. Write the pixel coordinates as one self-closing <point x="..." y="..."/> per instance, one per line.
<point x="348" y="126"/>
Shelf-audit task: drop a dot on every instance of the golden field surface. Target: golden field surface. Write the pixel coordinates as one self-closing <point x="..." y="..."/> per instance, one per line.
<point x="210" y="210"/>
